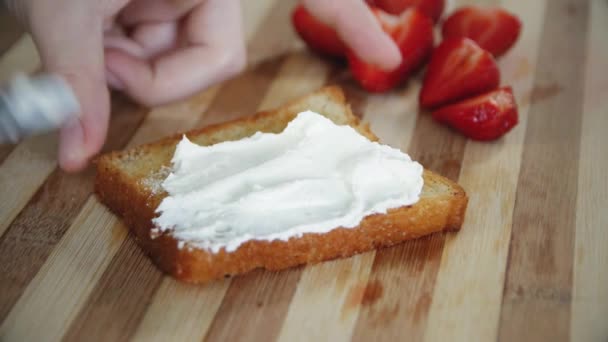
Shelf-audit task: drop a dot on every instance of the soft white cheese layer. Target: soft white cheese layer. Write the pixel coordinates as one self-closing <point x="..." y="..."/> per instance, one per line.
<point x="311" y="178"/>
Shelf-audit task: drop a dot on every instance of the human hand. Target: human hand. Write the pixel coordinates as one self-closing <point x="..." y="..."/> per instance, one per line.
<point x="359" y="29"/>
<point x="155" y="51"/>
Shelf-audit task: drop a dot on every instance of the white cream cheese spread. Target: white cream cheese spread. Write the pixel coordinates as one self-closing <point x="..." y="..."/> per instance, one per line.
<point x="311" y="178"/>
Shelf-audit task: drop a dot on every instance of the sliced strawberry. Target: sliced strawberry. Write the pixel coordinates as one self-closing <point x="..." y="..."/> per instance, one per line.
<point x="413" y="33"/>
<point x="459" y="68"/>
<point x="485" y="117"/>
<point x="432" y="8"/>
<point x="494" y="29"/>
<point x="318" y="36"/>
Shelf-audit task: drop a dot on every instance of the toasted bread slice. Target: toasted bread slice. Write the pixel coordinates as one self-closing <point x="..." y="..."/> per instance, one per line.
<point x="129" y="184"/>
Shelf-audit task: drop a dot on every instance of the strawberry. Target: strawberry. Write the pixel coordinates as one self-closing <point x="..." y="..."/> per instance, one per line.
<point x="413" y="33"/>
<point x="494" y="29"/>
<point x="432" y="8"/>
<point x="318" y="36"/>
<point x="485" y="117"/>
<point x="459" y="68"/>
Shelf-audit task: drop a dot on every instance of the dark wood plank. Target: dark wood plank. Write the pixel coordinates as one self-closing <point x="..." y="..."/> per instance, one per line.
<point x="255" y="306"/>
<point x="5" y="150"/>
<point x="118" y="302"/>
<point x="10" y="30"/>
<point x="538" y="286"/>
<point x="238" y="97"/>
<point x="38" y="228"/>
<point x="407" y="272"/>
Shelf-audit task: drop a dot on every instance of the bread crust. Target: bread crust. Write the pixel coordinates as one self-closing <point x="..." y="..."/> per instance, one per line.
<point x="124" y="194"/>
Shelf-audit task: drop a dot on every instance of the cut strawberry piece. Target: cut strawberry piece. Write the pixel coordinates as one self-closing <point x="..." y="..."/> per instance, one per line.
<point x="318" y="36"/>
<point x="459" y="68"/>
<point x="485" y="117"/>
<point x="432" y="8"/>
<point x="494" y="29"/>
<point x="413" y="33"/>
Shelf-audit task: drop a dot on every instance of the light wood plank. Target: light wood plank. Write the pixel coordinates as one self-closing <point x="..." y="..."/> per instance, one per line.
<point x="468" y="292"/>
<point x="326" y="304"/>
<point x="22" y="57"/>
<point x="276" y="37"/>
<point x="40" y="225"/>
<point x="181" y="312"/>
<point x="301" y="73"/>
<point x="254" y="14"/>
<point x="538" y="281"/>
<point x="94" y="237"/>
<point x="209" y="298"/>
<point x="37" y="155"/>
<point x="52" y="299"/>
<point x="329" y="295"/>
<point x="406" y="273"/>
<point x="590" y="285"/>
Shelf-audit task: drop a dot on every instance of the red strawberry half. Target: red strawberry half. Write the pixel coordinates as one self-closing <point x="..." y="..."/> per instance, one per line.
<point x="494" y="29"/>
<point x="413" y="33"/>
<point x="318" y="36"/>
<point x="485" y="117"/>
<point x="432" y="8"/>
<point x="459" y="68"/>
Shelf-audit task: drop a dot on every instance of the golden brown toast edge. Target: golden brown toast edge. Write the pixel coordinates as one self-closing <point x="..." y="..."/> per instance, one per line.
<point x="136" y="205"/>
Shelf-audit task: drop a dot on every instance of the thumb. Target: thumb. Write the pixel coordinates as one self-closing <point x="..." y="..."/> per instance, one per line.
<point x="69" y="37"/>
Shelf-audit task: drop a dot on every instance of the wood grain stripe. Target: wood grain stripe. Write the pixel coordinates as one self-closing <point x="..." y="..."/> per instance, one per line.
<point x="22" y="57"/>
<point x="36" y="154"/>
<point x="296" y="77"/>
<point x="328" y="298"/>
<point x="268" y="294"/>
<point x="407" y="272"/>
<point x="275" y="37"/>
<point x="126" y="269"/>
<point x="10" y="30"/>
<point x="191" y="309"/>
<point x="31" y="237"/>
<point x="364" y="299"/>
<point x="73" y="281"/>
<point x="130" y="267"/>
<point x="590" y="287"/>
<point x="53" y="297"/>
<point x="468" y="289"/>
<point x="539" y="274"/>
<point x="254" y="306"/>
<point x="5" y="150"/>
<point x="119" y="299"/>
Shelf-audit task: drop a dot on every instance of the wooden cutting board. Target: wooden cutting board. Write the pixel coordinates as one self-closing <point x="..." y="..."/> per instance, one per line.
<point x="529" y="264"/>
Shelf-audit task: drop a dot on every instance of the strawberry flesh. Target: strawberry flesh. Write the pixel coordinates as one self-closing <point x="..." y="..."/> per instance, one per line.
<point x="458" y="69"/>
<point x="493" y="28"/>
<point x="485" y="117"/>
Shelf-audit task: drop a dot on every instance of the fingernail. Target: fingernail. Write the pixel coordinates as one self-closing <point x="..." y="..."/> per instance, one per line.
<point x="389" y="56"/>
<point x="392" y="61"/>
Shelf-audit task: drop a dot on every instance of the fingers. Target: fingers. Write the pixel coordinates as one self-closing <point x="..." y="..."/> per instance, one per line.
<point x="76" y="54"/>
<point x="212" y="49"/>
<point x="138" y="11"/>
<point x="146" y="41"/>
<point x="359" y="29"/>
